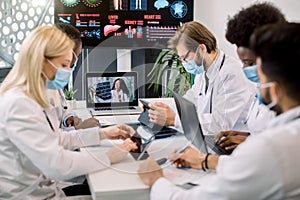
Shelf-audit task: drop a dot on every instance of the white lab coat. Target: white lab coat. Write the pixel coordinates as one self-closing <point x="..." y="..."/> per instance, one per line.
<point x="226" y="103"/>
<point x="115" y="98"/>
<point x="63" y="110"/>
<point x="32" y="154"/>
<point x="265" y="166"/>
<point x="258" y="117"/>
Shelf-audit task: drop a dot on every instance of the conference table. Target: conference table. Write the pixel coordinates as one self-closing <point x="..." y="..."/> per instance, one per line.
<point x="121" y="181"/>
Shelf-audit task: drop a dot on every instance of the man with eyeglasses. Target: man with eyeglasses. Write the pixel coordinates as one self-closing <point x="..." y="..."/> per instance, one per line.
<point x="220" y="92"/>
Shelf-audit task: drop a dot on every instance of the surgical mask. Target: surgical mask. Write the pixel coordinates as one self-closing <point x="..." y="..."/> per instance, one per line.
<point x="251" y="73"/>
<point x="261" y="99"/>
<point x="192" y="67"/>
<point x="61" y="78"/>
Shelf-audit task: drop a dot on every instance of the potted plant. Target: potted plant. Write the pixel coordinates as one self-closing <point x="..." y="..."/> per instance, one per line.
<point x="169" y="72"/>
<point x="69" y="96"/>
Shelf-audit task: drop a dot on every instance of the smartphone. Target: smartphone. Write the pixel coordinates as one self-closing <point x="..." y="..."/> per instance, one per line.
<point x="145" y="104"/>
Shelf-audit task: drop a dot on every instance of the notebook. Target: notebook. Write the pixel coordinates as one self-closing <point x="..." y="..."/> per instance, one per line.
<point x="112" y="93"/>
<point x="192" y="127"/>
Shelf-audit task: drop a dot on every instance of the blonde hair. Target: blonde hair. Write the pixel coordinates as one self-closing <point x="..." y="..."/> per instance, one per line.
<point x="44" y="42"/>
<point x="192" y="34"/>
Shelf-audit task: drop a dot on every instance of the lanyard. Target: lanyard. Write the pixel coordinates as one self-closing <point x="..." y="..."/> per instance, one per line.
<point x="212" y="89"/>
<point x="48" y="120"/>
<point x="62" y="100"/>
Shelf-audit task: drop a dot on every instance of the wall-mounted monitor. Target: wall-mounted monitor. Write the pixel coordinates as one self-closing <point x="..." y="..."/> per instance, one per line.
<point x="125" y="23"/>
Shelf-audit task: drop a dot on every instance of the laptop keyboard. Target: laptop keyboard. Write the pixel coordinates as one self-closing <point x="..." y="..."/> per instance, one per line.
<point x="115" y="108"/>
<point x="210" y="141"/>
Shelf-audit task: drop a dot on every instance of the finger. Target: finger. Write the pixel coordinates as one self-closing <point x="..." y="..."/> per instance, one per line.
<point x="226" y="142"/>
<point x="127" y="130"/>
<point x="220" y="135"/>
<point x="173" y="156"/>
<point x="160" y="104"/>
<point x="231" y="147"/>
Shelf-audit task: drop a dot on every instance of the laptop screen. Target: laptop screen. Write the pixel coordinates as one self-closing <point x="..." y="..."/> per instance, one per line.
<point x="111" y="89"/>
<point x="190" y="122"/>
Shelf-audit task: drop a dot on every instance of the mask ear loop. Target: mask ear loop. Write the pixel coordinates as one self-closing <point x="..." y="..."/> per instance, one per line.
<point x="203" y="55"/>
<point x="273" y="103"/>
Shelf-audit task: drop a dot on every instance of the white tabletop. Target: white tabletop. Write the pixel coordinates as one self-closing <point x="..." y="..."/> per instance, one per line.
<point x="121" y="181"/>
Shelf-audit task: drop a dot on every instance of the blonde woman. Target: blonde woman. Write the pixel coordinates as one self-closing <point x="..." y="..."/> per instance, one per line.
<point x="32" y="151"/>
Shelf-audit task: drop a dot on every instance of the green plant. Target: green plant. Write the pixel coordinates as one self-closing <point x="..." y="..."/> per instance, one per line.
<point x="169" y="72"/>
<point x="69" y="93"/>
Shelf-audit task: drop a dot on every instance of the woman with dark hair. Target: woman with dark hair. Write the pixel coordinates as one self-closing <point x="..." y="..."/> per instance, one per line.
<point x="119" y="91"/>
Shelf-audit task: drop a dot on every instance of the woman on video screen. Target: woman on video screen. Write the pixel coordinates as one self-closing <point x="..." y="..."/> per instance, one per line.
<point x="119" y="91"/>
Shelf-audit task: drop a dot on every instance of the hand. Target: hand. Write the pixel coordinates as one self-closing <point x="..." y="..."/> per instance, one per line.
<point x="162" y="114"/>
<point x="116" y="132"/>
<point x="88" y="123"/>
<point x="150" y="171"/>
<point x="231" y="139"/>
<point x="193" y="158"/>
<point x="189" y="158"/>
<point x="119" y="152"/>
<point x="72" y="120"/>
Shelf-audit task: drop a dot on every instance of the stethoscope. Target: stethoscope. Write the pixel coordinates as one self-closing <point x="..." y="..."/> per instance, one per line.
<point x="64" y="105"/>
<point x="62" y="100"/>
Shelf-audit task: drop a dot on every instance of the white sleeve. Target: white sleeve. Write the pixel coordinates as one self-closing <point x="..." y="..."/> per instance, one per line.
<point x="193" y="93"/>
<point x="30" y="132"/>
<point x="249" y="173"/>
<point x="79" y="138"/>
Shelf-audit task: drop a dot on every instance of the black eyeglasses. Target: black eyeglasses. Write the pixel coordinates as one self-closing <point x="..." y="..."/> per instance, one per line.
<point x="185" y="57"/>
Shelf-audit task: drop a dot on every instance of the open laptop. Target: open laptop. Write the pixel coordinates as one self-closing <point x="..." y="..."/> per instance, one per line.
<point x="112" y="93"/>
<point x="192" y="127"/>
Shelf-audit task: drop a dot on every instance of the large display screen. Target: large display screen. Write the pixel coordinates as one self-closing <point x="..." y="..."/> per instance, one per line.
<point x="125" y="23"/>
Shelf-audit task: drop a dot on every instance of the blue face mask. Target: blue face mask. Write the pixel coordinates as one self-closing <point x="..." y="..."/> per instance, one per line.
<point x="192" y="67"/>
<point x="251" y="73"/>
<point x="61" y="78"/>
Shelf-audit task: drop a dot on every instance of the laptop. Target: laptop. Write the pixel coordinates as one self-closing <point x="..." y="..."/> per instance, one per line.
<point x="112" y="93"/>
<point x="192" y="127"/>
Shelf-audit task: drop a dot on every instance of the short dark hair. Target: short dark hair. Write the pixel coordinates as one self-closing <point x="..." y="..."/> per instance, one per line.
<point x="192" y="34"/>
<point x="278" y="46"/>
<point x="241" y="25"/>
<point x="72" y="32"/>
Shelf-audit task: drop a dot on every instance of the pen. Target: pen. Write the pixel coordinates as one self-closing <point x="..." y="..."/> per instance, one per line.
<point x="164" y="161"/>
<point x="91" y="113"/>
<point x="182" y="149"/>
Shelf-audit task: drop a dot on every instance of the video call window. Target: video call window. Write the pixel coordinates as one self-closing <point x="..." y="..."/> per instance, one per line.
<point x="111" y="89"/>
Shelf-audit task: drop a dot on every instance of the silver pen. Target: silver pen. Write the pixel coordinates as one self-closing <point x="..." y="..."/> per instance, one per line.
<point x="91" y="113"/>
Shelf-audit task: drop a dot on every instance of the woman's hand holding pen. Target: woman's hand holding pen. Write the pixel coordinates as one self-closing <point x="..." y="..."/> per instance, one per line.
<point x="116" y="132"/>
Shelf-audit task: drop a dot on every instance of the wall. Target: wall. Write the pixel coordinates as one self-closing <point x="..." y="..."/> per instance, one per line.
<point x="214" y="14"/>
